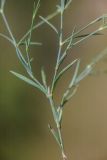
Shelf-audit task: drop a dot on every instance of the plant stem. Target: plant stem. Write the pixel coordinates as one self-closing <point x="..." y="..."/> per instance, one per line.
<point x="8" y="28"/>
<point x="54" y="111"/>
<point x="62" y="145"/>
<point x="59" y="51"/>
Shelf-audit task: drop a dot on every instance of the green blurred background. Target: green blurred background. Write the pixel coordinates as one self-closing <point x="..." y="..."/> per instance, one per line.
<point x="25" y="113"/>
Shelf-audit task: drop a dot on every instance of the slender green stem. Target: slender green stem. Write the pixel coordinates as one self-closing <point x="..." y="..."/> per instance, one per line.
<point x="61" y="145"/>
<point x="28" y="41"/>
<point x="7" y="38"/>
<point x="53" y="108"/>
<point x="54" y="111"/>
<point x="8" y="28"/>
<point x="59" y="51"/>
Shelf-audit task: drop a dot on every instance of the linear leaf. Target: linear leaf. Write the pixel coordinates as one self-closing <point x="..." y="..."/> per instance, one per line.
<point x="43" y="75"/>
<point x="91" y="23"/>
<point x="31" y="43"/>
<point x="90" y="35"/>
<point x="27" y="80"/>
<point x="68" y="2"/>
<point x="72" y="94"/>
<point x="64" y="70"/>
<point x="84" y="35"/>
<point x="53" y="107"/>
<point x="22" y="60"/>
<point x="6" y="37"/>
<point x="59" y="110"/>
<point x="50" y="24"/>
<point x="70" y="43"/>
<point x="75" y="74"/>
<point x="72" y="83"/>
<point x="56" y="136"/>
<point x="84" y="73"/>
<point x="68" y="95"/>
<point x="36" y="7"/>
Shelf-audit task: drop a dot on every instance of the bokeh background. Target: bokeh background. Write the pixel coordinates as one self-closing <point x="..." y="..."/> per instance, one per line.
<point x="24" y="111"/>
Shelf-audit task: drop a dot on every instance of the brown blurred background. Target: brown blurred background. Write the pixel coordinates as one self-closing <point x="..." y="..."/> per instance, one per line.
<point x="25" y="113"/>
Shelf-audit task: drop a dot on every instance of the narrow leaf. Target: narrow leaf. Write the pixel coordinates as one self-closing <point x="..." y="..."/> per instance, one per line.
<point x="90" y="35"/>
<point x="43" y="75"/>
<point x="50" y="24"/>
<point x="22" y="60"/>
<point x="75" y="74"/>
<point x="56" y="136"/>
<point x="68" y="2"/>
<point x="59" y="110"/>
<point x="27" y="80"/>
<point x="26" y="65"/>
<point x="7" y="38"/>
<point x="84" y="73"/>
<point x="53" y="108"/>
<point x="36" y="7"/>
<point x="64" y="70"/>
<point x="70" y="43"/>
<point x="84" y="35"/>
<point x="72" y="94"/>
<point x="68" y="95"/>
<point x="72" y="83"/>
<point x="31" y="43"/>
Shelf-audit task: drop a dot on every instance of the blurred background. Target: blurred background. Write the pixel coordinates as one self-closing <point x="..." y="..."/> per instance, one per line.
<point x="25" y="112"/>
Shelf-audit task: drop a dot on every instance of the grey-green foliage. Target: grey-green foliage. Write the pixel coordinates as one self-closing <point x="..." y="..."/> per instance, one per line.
<point x="72" y="40"/>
